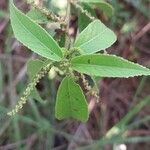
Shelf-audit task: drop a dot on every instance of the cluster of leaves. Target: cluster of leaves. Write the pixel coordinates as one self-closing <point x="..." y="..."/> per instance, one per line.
<point x="82" y="57"/>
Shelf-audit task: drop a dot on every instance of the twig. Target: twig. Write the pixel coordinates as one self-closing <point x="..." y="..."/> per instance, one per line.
<point x="142" y="32"/>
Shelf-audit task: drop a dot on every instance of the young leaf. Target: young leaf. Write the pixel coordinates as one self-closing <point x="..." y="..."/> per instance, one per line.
<point x="104" y="6"/>
<point x="33" y="36"/>
<point x="95" y="37"/>
<point x="107" y="66"/>
<point x="71" y="101"/>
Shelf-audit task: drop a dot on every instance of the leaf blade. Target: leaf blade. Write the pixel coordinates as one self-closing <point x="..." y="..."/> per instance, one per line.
<point x="104" y="6"/>
<point x="84" y="20"/>
<point x="95" y="37"/>
<point x="33" y="67"/>
<point x="104" y="65"/>
<point x="70" y="101"/>
<point x="33" y="36"/>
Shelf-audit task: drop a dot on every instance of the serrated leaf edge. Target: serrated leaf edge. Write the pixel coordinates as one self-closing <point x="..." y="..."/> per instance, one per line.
<point x="121" y="59"/>
<point x="16" y="9"/>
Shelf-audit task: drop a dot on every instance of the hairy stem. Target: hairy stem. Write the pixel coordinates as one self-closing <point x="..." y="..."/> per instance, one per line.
<point x="45" y="11"/>
<point x="79" y="7"/>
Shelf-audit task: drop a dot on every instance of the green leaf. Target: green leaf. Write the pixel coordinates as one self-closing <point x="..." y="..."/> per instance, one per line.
<point x="37" y="16"/>
<point x="71" y="101"/>
<point x="95" y="37"/>
<point x="103" y="5"/>
<point x="33" y="36"/>
<point x="36" y="96"/>
<point x="84" y="20"/>
<point x="33" y="67"/>
<point x="107" y="66"/>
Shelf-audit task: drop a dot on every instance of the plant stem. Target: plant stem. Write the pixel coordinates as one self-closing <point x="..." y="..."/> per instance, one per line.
<point x="45" y="11"/>
<point x="79" y="7"/>
<point x="67" y="20"/>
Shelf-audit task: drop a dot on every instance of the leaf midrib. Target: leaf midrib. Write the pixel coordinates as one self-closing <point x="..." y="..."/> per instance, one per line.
<point x="99" y="34"/>
<point x="69" y="98"/>
<point x="109" y="66"/>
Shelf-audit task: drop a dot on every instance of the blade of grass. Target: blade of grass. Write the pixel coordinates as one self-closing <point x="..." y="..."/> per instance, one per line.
<point x="44" y="125"/>
<point x="114" y="134"/>
<point x="138" y="123"/>
<point x="1" y="82"/>
<point x="139" y="90"/>
<point x="34" y="109"/>
<point x="12" y="96"/>
<point x="117" y="140"/>
<point x="132" y="112"/>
